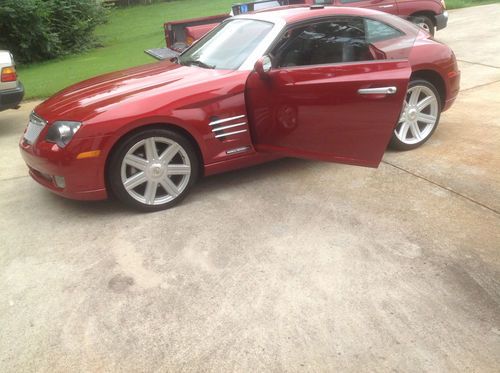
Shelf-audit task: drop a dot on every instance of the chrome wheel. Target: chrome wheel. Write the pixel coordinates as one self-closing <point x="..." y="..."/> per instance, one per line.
<point x="155" y="171"/>
<point x="419" y="116"/>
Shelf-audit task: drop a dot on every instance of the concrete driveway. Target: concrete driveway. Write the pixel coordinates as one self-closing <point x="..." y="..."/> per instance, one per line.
<point x="289" y="266"/>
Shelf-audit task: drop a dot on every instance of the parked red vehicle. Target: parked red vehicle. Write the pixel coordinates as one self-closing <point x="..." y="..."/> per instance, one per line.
<point x="431" y="15"/>
<point x="332" y="84"/>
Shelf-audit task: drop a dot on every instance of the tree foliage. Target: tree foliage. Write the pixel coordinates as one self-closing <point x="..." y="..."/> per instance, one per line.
<point x="36" y="30"/>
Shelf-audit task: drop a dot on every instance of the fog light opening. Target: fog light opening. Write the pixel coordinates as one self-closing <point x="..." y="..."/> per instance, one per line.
<point x="60" y="182"/>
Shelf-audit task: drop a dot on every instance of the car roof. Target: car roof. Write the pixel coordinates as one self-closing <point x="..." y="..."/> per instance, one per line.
<point x="297" y="13"/>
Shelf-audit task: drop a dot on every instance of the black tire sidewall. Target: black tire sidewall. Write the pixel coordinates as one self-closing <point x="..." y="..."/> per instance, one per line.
<point x="114" y="169"/>
<point x="427" y="21"/>
<point x="397" y="144"/>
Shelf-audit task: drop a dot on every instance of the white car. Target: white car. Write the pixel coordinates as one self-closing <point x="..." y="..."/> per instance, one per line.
<point x="11" y="89"/>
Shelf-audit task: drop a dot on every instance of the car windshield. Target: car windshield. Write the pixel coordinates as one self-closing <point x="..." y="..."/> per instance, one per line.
<point x="228" y="46"/>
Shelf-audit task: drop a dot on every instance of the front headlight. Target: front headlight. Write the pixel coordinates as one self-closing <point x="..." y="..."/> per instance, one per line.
<point x="61" y="132"/>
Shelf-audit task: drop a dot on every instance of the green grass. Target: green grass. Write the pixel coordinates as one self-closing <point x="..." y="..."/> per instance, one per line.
<point x="454" y="4"/>
<point x="125" y="37"/>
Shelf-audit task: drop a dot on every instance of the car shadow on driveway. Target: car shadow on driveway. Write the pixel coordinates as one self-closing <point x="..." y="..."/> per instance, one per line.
<point x="243" y="176"/>
<point x="109" y="207"/>
<point x="206" y="187"/>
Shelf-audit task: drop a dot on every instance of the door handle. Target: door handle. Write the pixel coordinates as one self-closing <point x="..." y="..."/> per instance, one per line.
<point x="385" y="6"/>
<point x="378" y="91"/>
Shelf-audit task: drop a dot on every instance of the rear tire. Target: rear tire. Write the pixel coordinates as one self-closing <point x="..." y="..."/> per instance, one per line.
<point x="153" y="169"/>
<point x="419" y="117"/>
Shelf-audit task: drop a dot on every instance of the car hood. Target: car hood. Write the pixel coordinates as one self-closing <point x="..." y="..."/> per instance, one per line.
<point x="135" y="86"/>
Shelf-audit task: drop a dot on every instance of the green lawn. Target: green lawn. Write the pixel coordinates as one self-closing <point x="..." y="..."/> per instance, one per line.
<point x="125" y="37"/>
<point x="454" y="4"/>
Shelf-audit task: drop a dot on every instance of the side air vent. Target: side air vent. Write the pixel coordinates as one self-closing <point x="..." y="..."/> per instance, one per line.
<point x="227" y="127"/>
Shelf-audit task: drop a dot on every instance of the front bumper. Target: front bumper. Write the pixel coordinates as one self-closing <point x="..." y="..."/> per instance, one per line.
<point x="48" y="165"/>
<point x="11" y="98"/>
<point x="441" y="20"/>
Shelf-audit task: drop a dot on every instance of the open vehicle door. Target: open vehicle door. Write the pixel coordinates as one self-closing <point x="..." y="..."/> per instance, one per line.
<point x="333" y="91"/>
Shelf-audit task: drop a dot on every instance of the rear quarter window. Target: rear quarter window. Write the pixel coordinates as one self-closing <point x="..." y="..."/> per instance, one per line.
<point x="378" y="31"/>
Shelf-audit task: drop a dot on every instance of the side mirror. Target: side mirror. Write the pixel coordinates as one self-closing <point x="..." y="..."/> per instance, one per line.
<point x="263" y="66"/>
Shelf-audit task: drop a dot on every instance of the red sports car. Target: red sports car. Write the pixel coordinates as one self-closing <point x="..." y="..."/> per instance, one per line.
<point x="325" y="83"/>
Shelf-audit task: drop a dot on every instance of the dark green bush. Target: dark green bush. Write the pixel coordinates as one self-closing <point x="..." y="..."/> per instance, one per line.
<point x="36" y="30"/>
<point x="74" y="22"/>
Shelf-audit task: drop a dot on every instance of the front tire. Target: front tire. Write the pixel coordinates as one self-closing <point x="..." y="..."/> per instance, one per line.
<point x="426" y="23"/>
<point x="153" y="169"/>
<point x="419" y="117"/>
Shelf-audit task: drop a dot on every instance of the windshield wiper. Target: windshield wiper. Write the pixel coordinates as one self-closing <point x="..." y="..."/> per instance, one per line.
<point x="199" y="63"/>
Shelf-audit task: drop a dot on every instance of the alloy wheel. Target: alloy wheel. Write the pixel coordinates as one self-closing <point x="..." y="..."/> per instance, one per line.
<point x="155" y="170"/>
<point x="419" y="116"/>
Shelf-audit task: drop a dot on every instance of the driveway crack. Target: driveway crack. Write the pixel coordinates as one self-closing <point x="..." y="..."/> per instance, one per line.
<point x="445" y="188"/>
<point x="479" y="63"/>
<point x="14" y="178"/>
<point x="480" y="85"/>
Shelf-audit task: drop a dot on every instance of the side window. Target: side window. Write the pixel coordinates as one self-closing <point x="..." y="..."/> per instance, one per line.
<point x="341" y="39"/>
<point x="378" y="31"/>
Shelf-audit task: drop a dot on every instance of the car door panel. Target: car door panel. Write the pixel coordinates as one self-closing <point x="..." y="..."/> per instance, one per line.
<point x="317" y="112"/>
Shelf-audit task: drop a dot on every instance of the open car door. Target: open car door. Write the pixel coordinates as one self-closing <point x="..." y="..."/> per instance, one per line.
<point x="335" y="91"/>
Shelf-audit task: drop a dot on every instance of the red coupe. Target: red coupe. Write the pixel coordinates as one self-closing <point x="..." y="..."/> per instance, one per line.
<point x="325" y="83"/>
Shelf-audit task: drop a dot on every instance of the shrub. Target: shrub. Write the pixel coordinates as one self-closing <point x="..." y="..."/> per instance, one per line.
<point x="35" y="30"/>
<point x="25" y="30"/>
<point x="74" y="22"/>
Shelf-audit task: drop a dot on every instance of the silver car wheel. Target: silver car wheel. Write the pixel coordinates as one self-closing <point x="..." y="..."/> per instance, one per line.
<point x="155" y="170"/>
<point x="419" y="115"/>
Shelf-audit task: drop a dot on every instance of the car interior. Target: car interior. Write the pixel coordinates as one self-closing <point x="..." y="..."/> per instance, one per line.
<point x="335" y="41"/>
